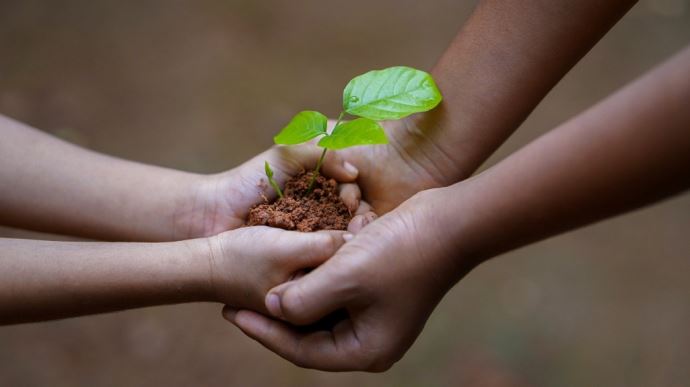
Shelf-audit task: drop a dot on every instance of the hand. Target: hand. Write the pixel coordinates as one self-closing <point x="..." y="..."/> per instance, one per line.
<point x="245" y="264"/>
<point x="387" y="175"/>
<point x="388" y="278"/>
<point x="221" y="202"/>
<point x="410" y="163"/>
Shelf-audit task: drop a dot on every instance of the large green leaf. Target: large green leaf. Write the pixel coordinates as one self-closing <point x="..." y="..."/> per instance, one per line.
<point x="391" y="93"/>
<point x="303" y="127"/>
<point x="361" y="131"/>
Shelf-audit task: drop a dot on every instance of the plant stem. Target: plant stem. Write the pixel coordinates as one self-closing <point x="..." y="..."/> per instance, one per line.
<point x="316" y="171"/>
<point x="323" y="154"/>
<point x="275" y="187"/>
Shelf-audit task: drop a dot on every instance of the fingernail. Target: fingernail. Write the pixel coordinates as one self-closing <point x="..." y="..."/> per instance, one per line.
<point x="356" y="224"/>
<point x="273" y="305"/>
<point x="348" y="237"/>
<point x="351" y="169"/>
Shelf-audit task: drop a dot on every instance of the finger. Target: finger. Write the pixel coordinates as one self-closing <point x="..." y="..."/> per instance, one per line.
<point x="336" y="167"/>
<point x="307" y="250"/>
<point x="350" y="194"/>
<point x="306" y="156"/>
<point x="360" y="221"/>
<point x="324" y="350"/>
<point x="307" y="300"/>
<point x="363" y="208"/>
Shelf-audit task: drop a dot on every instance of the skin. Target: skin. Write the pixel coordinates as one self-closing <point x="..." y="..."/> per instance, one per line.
<point x="106" y="198"/>
<point x="488" y="92"/>
<point x="65" y="189"/>
<point x="628" y="151"/>
<point x="61" y="188"/>
<point x="43" y="280"/>
<point x="505" y="59"/>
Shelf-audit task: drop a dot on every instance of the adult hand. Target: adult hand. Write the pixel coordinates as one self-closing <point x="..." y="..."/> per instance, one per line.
<point x="388" y="278"/>
<point x="411" y="162"/>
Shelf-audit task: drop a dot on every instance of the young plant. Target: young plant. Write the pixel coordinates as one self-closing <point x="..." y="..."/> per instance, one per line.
<point x="389" y="94"/>
<point x="269" y="174"/>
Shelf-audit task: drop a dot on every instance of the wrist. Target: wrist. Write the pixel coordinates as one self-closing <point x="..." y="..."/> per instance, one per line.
<point x="190" y="207"/>
<point x="152" y="204"/>
<point x="419" y="140"/>
<point x="197" y="268"/>
<point x="453" y="248"/>
<point x="472" y="228"/>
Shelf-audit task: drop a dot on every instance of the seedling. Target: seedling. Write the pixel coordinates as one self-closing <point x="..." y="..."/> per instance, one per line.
<point x="389" y="94"/>
<point x="269" y="174"/>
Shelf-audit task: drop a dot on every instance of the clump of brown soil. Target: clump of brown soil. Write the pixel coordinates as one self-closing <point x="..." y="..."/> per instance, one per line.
<point x="320" y="209"/>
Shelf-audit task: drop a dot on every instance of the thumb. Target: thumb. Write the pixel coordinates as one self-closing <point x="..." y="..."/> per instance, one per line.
<point x="333" y="164"/>
<point x="310" y="298"/>
<point x="336" y="167"/>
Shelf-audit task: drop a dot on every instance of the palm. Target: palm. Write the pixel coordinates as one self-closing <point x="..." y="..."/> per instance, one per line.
<point x="221" y="202"/>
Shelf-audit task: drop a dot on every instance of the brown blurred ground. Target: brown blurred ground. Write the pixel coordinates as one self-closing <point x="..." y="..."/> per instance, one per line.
<point x="204" y="85"/>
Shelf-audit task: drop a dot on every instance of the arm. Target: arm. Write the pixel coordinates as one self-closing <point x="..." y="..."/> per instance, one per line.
<point x="48" y="280"/>
<point x="498" y="68"/>
<point x="628" y="151"/>
<point x="505" y="59"/>
<point x="49" y="185"/>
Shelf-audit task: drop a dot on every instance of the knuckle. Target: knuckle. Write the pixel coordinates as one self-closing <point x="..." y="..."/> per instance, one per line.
<point x="325" y="243"/>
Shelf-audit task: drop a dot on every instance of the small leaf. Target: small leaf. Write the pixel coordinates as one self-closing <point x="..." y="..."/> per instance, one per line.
<point x="391" y="93"/>
<point x="361" y="131"/>
<point x="303" y="127"/>
<point x="269" y="174"/>
<point x="269" y="171"/>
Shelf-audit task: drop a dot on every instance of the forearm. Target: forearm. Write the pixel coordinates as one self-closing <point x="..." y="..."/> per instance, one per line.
<point x="47" y="280"/>
<point x="628" y="151"/>
<point x="49" y="185"/>
<point x="506" y="58"/>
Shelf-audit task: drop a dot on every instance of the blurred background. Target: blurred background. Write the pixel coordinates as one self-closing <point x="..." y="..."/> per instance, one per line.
<point x="203" y="85"/>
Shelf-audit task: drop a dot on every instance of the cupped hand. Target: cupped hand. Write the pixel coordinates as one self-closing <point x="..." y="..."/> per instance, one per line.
<point x="244" y="264"/>
<point x="388" y="278"/>
<point x="411" y="162"/>
<point x="221" y="202"/>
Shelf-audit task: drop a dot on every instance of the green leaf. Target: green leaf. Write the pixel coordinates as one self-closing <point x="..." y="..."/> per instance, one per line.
<point x="269" y="174"/>
<point x="391" y="93"/>
<point x="361" y="131"/>
<point x="269" y="171"/>
<point x="303" y="127"/>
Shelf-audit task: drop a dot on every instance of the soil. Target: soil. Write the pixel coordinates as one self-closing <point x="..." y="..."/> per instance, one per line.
<point x="320" y="209"/>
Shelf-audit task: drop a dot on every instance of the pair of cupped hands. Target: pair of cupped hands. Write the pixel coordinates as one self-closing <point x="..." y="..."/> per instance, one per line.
<point x="387" y="273"/>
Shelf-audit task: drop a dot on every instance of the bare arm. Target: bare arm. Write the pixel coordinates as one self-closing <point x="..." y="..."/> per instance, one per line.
<point x="630" y="150"/>
<point x="42" y="280"/>
<point x="45" y="280"/>
<point x="49" y="185"/>
<point x="505" y="59"/>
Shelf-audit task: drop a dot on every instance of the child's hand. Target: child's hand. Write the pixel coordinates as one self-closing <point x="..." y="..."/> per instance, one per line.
<point x="245" y="263"/>
<point x="221" y="202"/>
